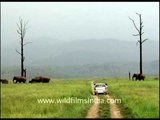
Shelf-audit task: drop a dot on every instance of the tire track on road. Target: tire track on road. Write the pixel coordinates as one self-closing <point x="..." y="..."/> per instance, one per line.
<point x="114" y="109"/>
<point x="94" y="109"/>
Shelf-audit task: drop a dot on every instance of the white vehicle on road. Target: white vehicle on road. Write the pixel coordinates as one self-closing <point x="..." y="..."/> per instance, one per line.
<point x="100" y="88"/>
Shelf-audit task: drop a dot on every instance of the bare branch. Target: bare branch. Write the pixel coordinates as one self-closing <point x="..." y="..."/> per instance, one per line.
<point x="21" y="26"/>
<point x="27" y="43"/>
<point x="134" y="24"/>
<point x="18" y="26"/>
<point x="26" y="24"/>
<point x="142" y="26"/>
<point x="24" y="28"/>
<point x="137" y="42"/>
<point x="18" y="32"/>
<point x="18" y="52"/>
<point x="135" y="34"/>
<point x="138" y="14"/>
<point x="144" y="40"/>
<point x="142" y="33"/>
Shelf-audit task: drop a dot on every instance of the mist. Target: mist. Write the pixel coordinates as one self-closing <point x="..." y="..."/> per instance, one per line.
<point x="79" y="20"/>
<point x="66" y="34"/>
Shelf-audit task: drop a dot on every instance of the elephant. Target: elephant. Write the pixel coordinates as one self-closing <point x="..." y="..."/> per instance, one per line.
<point x="35" y="80"/>
<point x="45" y="79"/>
<point x="40" y="79"/>
<point x="138" y="77"/>
<point x="19" y="79"/>
<point x="4" y="81"/>
<point x="134" y="77"/>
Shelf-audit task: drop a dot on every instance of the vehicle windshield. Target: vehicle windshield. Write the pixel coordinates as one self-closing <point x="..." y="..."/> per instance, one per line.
<point x="100" y="85"/>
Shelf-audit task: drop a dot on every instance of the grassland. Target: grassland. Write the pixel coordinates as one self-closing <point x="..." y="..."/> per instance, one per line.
<point x="104" y="108"/>
<point x="140" y="99"/>
<point x="20" y="100"/>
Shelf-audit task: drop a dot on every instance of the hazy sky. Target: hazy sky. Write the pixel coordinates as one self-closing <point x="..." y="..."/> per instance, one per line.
<point x="79" y="20"/>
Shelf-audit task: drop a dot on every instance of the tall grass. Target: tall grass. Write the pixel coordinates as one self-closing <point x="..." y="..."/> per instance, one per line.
<point x="140" y="99"/>
<point x="104" y="108"/>
<point x="20" y="100"/>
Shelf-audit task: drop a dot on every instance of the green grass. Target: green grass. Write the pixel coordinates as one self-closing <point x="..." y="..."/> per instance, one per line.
<point x="104" y="108"/>
<point x="140" y="99"/>
<point x="20" y="100"/>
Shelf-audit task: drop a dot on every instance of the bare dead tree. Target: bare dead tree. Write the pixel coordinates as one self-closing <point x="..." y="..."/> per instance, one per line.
<point x="22" y="27"/>
<point x="140" y="41"/>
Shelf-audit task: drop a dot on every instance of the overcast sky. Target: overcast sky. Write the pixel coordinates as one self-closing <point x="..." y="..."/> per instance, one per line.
<point x="79" y="20"/>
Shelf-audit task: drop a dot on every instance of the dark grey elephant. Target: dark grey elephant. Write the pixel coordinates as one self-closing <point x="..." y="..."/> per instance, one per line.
<point x="19" y="79"/>
<point x="138" y="77"/>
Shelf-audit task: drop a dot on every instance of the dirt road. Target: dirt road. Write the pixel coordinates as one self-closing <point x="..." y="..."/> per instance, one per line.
<point x="115" y="111"/>
<point x="93" y="111"/>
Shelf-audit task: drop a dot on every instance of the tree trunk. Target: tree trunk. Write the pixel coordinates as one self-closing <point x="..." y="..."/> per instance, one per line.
<point x="22" y="66"/>
<point x="141" y="72"/>
<point x="22" y="31"/>
<point x="140" y="43"/>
